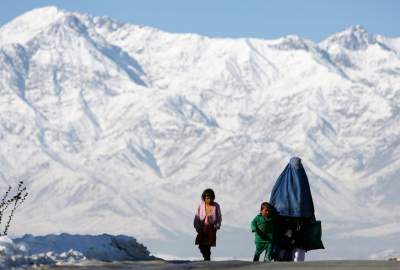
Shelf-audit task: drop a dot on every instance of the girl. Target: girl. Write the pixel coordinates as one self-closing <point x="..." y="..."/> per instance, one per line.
<point x="206" y="222"/>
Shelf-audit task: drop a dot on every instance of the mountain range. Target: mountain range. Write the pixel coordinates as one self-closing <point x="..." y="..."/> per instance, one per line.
<point x="117" y="128"/>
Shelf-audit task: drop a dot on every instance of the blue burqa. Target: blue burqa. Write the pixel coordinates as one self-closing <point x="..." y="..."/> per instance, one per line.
<point x="291" y="195"/>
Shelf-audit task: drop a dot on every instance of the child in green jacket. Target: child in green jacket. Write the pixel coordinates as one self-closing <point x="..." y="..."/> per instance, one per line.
<point x="263" y="227"/>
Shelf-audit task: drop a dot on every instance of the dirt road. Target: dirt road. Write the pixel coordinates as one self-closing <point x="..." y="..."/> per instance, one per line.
<point x="236" y="265"/>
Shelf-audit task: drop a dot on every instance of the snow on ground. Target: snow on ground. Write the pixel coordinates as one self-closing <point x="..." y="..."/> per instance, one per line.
<point x="69" y="249"/>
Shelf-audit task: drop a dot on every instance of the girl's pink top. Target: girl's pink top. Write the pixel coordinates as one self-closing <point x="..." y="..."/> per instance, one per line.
<point x="214" y="219"/>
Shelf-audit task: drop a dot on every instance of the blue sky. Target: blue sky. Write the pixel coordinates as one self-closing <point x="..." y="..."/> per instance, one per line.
<point x="267" y="19"/>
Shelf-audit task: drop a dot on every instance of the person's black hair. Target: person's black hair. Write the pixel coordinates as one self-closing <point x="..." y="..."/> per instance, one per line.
<point x="267" y="206"/>
<point x="208" y="192"/>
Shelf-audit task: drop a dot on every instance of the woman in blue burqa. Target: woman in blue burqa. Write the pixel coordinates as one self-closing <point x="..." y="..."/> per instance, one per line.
<point x="297" y="231"/>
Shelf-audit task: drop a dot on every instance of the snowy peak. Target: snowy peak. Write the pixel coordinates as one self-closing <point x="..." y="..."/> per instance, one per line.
<point x="353" y="38"/>
<point x="39" y="21"/>
<point x="40" y="16"/>
<point x="29" y="24"/>
<point x="25" y="27"/>
<point x="59" y="42"/>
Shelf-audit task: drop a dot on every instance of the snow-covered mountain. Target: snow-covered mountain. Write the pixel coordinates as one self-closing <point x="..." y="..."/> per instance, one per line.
<point x="117" y="128"/>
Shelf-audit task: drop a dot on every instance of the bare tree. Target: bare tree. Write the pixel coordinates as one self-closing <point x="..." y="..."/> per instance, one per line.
<point x="14" y="201"/>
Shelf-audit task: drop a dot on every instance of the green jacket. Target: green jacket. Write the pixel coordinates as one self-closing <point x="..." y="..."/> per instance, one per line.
<point x="263" y="228"/>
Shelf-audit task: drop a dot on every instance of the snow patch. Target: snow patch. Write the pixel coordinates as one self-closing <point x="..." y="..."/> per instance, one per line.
<point x="69" y="249"/>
